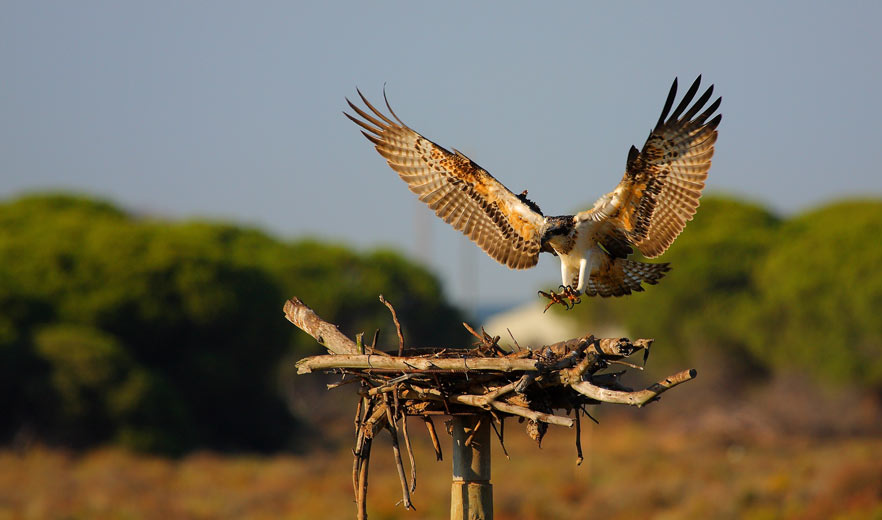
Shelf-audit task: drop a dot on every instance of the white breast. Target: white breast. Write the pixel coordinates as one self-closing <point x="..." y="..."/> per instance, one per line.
<point x="576" y="266"/>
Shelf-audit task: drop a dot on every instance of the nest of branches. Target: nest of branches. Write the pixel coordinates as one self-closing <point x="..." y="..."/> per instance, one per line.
<point x="534" y="385"/>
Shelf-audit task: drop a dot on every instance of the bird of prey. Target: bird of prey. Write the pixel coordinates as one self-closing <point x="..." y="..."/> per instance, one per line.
<point x="649" y="207"/>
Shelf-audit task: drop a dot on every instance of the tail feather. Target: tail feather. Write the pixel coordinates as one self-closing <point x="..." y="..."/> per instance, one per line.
<point x="619" y="277"/>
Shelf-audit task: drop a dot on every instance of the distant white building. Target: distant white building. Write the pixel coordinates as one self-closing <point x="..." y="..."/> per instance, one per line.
<point x="531" y="328"/>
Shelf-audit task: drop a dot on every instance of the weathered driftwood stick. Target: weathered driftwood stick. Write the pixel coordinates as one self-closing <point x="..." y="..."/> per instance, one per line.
<point x="410" y="456"/>
<point x="500" y="432"/>
<point x="361" y="459"/>
<point x="393" y="432"/>
<point x="326" y="334"/>
<point x="415" y="364"/>
<point x="480" y="401"/>
<point x="430" y="426"/>
<point x="361" y="406"/>
<point x="525" y="381"/>
<point x="638" y="398"/>
<point x="624" y="363"/>
<point x="471" y="436"/>
<point x="575" y="374"/>
<point x="373" y="424"/>
<point x="359" y="442"/>
<point x="356" y="461"/>
<point x="361" y="497"/>
<point x="486" y="340"/>
<point x="422" y="394"/>
<point x="579" y="457"/>
<point x="494" y="394"/>
<point x="397" y="324"/>
<point x="532" y="414"/>
<point x="611" y="348"/>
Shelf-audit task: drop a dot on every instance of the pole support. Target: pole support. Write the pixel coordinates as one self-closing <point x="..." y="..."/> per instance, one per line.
<point x="471" y="494"/>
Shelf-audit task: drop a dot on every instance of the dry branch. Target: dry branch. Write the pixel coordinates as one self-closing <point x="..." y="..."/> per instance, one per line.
<point x="397" y="324"/>
<point x="579" y="457"/>
<point x="414" y="364"/>
<point x="633" y="398"/>
<point x="326" y="334"/>
<point x="393" y="432"/>
<point x="430" y="426"/>
<point x="361" y="458"/>
<point x="410" y="456"/>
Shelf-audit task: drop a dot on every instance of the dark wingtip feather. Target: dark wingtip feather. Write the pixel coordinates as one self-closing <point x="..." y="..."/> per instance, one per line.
<point x="668" y="104"/>
<point x="386" y="99"/>
<point x="715" y="122"/>
<point x="687" y="98"/>
<point x="379" y="126"/>
<point x="710" y="110"/>
<point x="377" y="141"/>
<point x="632" y="154"/>
<point x="374" y="110"/>
<point x="699" y="103"/>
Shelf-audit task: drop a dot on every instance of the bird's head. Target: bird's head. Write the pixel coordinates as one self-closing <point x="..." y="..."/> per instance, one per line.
<point x="556" y="233"/>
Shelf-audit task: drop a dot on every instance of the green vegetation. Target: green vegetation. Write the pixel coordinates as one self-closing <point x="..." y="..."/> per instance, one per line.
<point x="169" y="336"/>
<point x="823" y="294"/>
<point x="769" y="295"/>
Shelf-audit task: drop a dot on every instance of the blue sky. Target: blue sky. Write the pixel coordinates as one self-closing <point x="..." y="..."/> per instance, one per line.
<point x="232" y="110"/>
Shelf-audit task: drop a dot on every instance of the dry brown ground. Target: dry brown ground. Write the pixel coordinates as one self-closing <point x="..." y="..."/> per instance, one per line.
<point x="632" y="470"/>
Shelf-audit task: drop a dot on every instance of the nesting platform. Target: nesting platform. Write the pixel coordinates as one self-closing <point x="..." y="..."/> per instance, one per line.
<point x="541" y="386"/>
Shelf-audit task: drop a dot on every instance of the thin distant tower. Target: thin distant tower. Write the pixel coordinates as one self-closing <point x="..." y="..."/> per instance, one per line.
<point x="422" y="228"/>
<point x="468" y="275"/>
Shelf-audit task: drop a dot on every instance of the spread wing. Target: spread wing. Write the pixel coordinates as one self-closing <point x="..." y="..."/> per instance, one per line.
<point x="662" y="183"/>
<point x="506" y="226"/>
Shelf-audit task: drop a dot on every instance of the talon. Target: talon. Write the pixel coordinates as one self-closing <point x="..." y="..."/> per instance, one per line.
<point x="554" y="298"/>
<point x="573" y="296"/>
<point x="568" y="297"/>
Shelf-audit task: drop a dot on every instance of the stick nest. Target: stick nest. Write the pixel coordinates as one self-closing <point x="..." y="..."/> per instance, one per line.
<point x="531" y="384"/>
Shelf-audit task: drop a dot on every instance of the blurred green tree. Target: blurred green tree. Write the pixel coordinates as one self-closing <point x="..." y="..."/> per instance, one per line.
<point x="822" y="295"/>
<point x="168" y="336"/>
<point x="100" y="394"/>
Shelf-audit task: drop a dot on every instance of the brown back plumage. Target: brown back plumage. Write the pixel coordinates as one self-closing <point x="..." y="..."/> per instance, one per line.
<point x="459" y="191"/>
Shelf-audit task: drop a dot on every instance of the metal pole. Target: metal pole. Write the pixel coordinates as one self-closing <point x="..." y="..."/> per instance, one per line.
<point x="471" y="495"/>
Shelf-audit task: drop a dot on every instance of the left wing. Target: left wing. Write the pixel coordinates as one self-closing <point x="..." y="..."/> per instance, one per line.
<point x="662" y="183"/>
<point x="507" y="227"/>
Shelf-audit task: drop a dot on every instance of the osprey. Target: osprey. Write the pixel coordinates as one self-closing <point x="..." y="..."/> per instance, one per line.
<point x="657" y="195"/>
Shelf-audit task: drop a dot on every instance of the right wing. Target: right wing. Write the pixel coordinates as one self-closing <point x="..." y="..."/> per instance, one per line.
<point x="507" y="227"/>
<point x="662" y="183"/>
